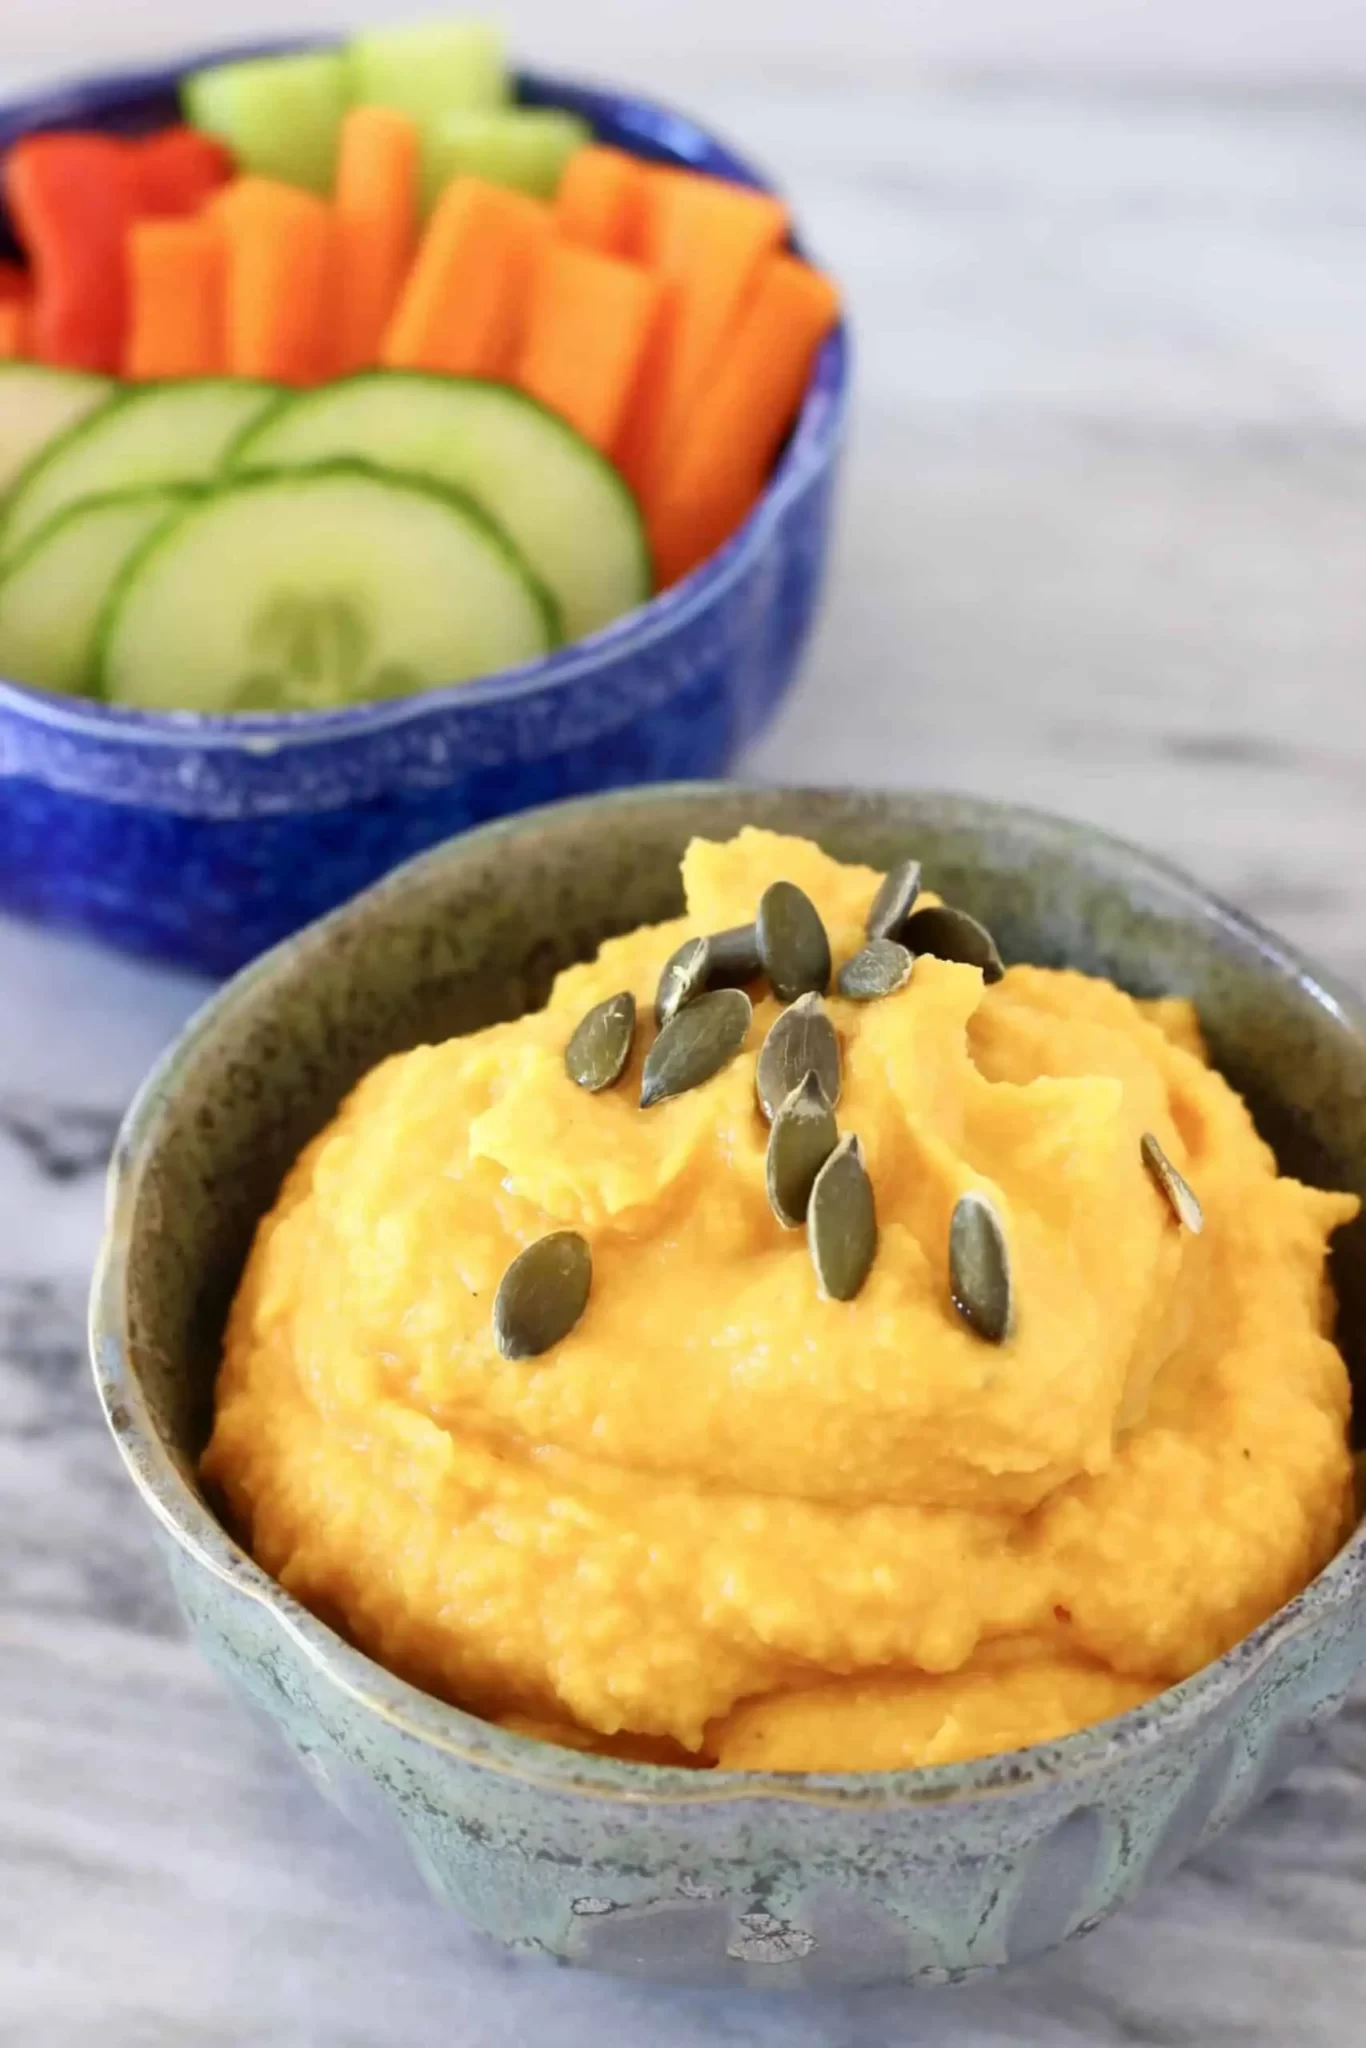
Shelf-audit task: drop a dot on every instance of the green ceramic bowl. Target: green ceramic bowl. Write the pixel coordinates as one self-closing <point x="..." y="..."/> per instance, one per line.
<point x="745" y="1878"/>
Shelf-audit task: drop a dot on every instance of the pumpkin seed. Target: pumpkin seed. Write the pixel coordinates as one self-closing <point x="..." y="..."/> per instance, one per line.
<point x="793" y="948"/>
<point x="950" y="934"/>
<point x="543" y="1293"/>
<point x="733" y="956"/>
<point x="894" y="901"/>
<point x="979" y="1268"/>
<point x="726" y="960"/>
<point x="1181" y="1196"/>
<point x="841" y="1222"/>
<point x="802" y="1041"/>
<point x="804" y="1135"/>
<point x="695" y="1044"/>
<point x="683" y="976"/>
<point x="880" y="969"/>
<point x="597" y="1053"/>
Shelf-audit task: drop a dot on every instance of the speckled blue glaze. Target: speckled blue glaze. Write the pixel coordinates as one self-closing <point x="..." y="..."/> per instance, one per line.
<point x="204" y="840"/>
<point x="746" y="1878"/>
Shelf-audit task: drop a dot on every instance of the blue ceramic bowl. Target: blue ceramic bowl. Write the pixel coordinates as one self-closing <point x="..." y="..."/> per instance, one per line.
<point x="751" y="1878"/>
<point x="203" y="840"/>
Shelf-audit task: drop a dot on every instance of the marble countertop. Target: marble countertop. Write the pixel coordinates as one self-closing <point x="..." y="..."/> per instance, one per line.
<point x="1102" y="546"/>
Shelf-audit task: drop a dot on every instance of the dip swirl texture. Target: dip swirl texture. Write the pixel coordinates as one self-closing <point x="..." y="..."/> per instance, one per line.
<point x="726" y="1520"/>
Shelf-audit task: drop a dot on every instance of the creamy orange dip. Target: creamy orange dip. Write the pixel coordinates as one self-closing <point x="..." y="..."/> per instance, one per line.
<point x="728" y="1521"/>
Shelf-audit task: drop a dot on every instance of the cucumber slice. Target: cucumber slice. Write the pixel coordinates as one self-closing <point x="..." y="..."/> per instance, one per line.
<point x="429" y="68"/>
<point x="156" y="434"/>
<point x="527" y="147"/>
<point x="278" y="115"/>
<point x="36" y="404"/>
<point x="54" y="591"/>
<point x="563" y="505"/>
<point x="315" y="588"/>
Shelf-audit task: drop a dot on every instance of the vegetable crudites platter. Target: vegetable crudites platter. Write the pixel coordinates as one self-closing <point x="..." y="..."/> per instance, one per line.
<point x="363" y="379"/>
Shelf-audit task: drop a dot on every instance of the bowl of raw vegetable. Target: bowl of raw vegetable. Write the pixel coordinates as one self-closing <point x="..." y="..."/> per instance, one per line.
<point x="388" y="441"/>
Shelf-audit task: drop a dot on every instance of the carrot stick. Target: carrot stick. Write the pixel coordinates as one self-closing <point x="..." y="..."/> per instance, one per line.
<point x="376" y="226"/>
<point x="464" y="305"/>
<point x="175" y="171"/>
<point x="14" y="282"/>
<point x="600" y="200"/>
<point x="175" y="289"/>
<point x="587" y="328"/>
<point x="277" y="310"/>
<point x="707" y="238"/>
<point x="737" y="425"/>
<point x="70" y="198"/>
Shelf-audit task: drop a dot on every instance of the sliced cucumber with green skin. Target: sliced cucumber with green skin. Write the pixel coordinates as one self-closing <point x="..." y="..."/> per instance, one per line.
<point x="174" y="433"/>
<point x="280" y="116"/>
<point x="564" y="506"/>
<point x="54" y="591"/>
<point x="526" y="147"/>
<point x="36" y="404"/>
<point x="428" y="68"/>
<point x="314" y="588"/>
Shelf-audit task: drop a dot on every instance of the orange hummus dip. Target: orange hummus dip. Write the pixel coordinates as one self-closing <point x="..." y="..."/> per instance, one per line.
<point x="724" y="1520"/>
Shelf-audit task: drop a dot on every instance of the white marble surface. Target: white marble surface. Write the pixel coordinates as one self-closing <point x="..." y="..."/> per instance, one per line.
<point x="1248" y="41"/>
<point x="1104" y="526"/>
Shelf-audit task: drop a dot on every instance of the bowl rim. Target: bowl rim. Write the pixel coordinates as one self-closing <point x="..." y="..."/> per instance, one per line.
<point x="810" y="446"/>
<point x="205" y="1542"/>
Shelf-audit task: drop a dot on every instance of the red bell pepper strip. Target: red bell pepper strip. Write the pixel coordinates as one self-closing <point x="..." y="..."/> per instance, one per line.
<point x="71" y="201"/>
<point x="176" y="170"/>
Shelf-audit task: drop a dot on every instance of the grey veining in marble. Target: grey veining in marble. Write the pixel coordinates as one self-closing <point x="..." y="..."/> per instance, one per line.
<point x="1105" y="522"/>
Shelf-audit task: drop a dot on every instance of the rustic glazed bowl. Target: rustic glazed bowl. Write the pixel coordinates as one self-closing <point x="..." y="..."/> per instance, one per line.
<point x="753" y="1878"/>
